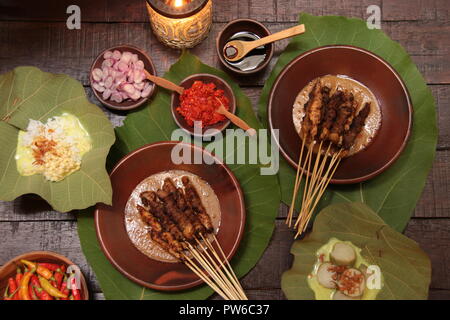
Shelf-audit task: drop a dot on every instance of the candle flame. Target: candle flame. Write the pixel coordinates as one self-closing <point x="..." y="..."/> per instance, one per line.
<point x="178" y="3"/>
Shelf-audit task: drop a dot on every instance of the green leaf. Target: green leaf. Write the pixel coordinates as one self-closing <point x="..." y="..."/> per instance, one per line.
<point x="405" y="268"/>
<point x="28" y="93"/>
<point x="393" y="194"/>
<point x="155" y="123"/>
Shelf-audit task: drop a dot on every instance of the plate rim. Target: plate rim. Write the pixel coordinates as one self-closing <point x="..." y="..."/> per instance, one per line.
<point x="198" y="281"/>
<point x="368" y="176"/>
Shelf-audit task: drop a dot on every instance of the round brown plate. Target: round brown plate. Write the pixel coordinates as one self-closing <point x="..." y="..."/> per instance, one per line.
<point x="110" y="222"/>
<point x="370" y="70"/>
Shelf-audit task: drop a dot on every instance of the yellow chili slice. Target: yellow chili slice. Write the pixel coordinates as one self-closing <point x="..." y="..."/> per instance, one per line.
<point x="51" y="290"/>
<point x="43" y="271"/>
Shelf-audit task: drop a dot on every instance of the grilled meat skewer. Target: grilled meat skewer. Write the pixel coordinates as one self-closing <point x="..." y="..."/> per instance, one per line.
<point x="184" y="206"/>
<point x="356" y="126"/>
<point x="194" y="200"/>
<point x="158" y="235"/>
<point x="150" y="200"/>
<point x="181" y="220"/>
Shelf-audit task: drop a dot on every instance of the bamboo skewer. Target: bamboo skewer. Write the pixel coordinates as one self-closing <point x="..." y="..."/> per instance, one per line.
<point x="315" y="182"/>
<point x="298" y="178"/>
<point x="208" y="264"/>
<point x="304" y="219"/>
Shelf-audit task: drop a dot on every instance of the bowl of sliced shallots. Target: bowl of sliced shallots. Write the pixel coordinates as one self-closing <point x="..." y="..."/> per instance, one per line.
<point x="118" y="79"/>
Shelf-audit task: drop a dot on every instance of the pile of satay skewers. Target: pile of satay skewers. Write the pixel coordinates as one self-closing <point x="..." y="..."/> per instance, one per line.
<point x="331" y="123"/>
<point x="181" y="226"/>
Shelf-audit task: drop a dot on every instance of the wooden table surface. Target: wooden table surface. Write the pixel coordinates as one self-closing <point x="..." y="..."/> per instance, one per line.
<point x="35" y="33"/>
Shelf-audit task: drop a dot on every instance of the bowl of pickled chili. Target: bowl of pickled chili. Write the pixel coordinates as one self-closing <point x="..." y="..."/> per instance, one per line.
<point x="203" y="94"/>
<point x="42" y="275"/>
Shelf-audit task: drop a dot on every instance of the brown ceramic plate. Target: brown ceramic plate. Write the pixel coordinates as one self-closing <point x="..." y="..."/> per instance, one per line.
<point x="370" y="70"/>
<point x="126" y="104"/>
<point x="240" y="25"/>
<point x="187" y="83"/>
<point x="9" y="268"/>
<point x="110" y="222"/>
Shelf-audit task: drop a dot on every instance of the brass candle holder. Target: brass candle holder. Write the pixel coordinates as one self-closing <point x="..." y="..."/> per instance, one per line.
<point x="180" y="23"/>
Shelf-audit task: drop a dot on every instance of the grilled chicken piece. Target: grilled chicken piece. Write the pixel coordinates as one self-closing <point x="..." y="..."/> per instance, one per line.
<point x="314" y="110"/>
<point x="344" y="112"/>
<point x="356" y="126"/>
<point x="158" y="235"/>
<point x="182" y="221"/>
<point x="354" y="106"/>
<point x="149" y="219"/>
<point x="184" y="206"/>
<point x="329" y="114"/>
<point x="194" y="200"/>
<point x="150" y="201"/>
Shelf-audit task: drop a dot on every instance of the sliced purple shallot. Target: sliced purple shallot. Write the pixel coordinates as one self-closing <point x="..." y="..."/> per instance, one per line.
<point x="121" y="77"/>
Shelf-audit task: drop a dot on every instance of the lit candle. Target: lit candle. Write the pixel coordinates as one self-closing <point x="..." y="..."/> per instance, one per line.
<point x="180" y="23"/>
<point x="178" y="3"/>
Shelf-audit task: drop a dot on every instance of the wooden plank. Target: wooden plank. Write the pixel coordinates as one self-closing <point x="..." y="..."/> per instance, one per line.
<point x="91" y="11"/>
<point x="433" y="237"/>
<point x="420" y="38"/>
<point x="439" y="294"/>
<point x="224" y="11"/>
<point x="413" y="10"/>
<point x="129" y="11"/>
<point x="435" y="200"/>
<point x="442" y="99"/>
<point x="287" y="10"/>
<point x="61" y="236"/>
<point x="52" y="47"/>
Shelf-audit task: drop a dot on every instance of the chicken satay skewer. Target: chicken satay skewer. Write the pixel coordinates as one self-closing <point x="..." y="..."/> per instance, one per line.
<point x="157" y="233"/>
<point x="196" y="203"/>
<point x="184" y="205"/>
<point x="150" y="199"/>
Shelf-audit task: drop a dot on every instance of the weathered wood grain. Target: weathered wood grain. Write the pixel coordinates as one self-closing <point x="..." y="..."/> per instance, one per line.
<point x="51" y="46"/>
<point x="434" y="238"/>
<point x="413" y="10"/>
<point x="224" y="10"/>
<point x="61" y="237"/>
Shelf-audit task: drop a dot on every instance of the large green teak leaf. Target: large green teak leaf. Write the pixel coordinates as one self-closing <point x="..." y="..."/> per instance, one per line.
<point x="154" y="123"/>
<point x="405" y="268"/>
<point x="28" y="93"/>
<point x="393" y="194"/>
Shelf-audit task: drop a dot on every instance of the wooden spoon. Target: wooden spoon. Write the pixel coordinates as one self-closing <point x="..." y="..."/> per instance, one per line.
<point x="235" y="119"/>
<point x="237" y="49"/>
<point x="164" y="83"/>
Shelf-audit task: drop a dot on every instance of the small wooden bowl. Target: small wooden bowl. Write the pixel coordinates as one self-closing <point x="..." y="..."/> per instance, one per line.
<point x="126" y="104"/>
<point x="187" y="83"/>
<point x="239" y="25"/>
<point x="365" y="67"/>
<point x="9" y="268"/>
